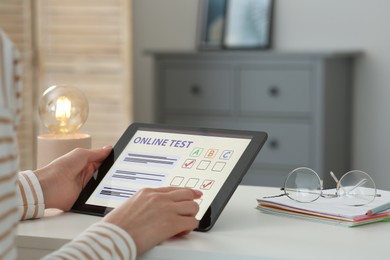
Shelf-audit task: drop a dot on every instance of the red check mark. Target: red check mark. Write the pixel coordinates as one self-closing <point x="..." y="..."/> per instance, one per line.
<point x="206" y="184"/>
<point x="188" y="163"/>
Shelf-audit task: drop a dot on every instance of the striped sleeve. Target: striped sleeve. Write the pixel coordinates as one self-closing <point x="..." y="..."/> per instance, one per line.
<point x="9" y="115"/>
<point x="8" y="172"/>
<point x="10" y="78"/>
<point x="17" y="87"/>
<point x="100" y="241"/>
<point x="30" y="196"/>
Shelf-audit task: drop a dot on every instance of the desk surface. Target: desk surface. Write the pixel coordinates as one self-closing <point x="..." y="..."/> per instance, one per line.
<point x="241" y="232"/>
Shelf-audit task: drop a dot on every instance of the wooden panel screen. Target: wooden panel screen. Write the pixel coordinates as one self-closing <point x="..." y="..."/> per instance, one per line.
<point x="15" y="20"/>
<point x="83" y="43"/>
<point x="86" y="44"/>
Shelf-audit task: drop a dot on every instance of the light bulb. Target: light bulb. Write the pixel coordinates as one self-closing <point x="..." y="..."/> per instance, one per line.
<point x="63" y="109"/>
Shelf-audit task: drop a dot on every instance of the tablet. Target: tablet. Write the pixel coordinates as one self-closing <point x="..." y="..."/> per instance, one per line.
<point x="151" y="155"/>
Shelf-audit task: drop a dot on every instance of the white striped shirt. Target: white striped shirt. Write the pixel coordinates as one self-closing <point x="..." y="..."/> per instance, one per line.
<point x="21" y="195"/>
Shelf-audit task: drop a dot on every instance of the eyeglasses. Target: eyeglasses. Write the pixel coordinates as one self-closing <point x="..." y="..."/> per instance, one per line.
<point x="355" y="188"/>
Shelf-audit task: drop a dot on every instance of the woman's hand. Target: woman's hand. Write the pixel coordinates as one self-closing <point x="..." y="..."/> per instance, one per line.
<point x="150" y="216"/>
<point x="154" y="215"/>
<point x="63" y="179"/>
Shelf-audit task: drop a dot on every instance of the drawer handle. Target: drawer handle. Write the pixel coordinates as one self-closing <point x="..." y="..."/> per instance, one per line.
<point x="273" y="91"/>
<point x="195" y="90"/>
<point x="274" y="144"/>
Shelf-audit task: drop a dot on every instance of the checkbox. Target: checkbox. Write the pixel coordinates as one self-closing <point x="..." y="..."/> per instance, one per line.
<point x="218" y="166"/>
<point x="207" y="184"/>
<point x="188" y="163"/>
<point x="203" y="165"/>
<point x="177" y="181"/>
<point x="199" y="201"/>
<point x="191" y="183"/>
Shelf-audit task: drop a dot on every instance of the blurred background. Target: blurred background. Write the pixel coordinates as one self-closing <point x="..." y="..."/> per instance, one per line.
<point x="102" y="47"/>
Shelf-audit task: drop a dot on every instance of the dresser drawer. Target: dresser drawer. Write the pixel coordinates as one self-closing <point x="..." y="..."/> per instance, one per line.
<point x="197" y="90"/>
<point x="288" y="143"/>
<point x="275" y="90"/>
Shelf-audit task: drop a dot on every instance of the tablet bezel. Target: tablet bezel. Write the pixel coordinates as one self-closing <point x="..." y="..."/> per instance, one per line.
<point x="258" y="139"/>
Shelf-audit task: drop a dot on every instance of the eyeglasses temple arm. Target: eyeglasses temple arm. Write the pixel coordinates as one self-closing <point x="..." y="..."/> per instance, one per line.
<point x="358" y="184"/>
<point x="335" y="179"/>
<point x="339" y="184"/>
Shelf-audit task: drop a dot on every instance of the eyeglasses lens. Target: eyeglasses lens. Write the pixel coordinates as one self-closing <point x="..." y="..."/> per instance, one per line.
<point x="303" y="185"/>
<point x="356" y="188"/>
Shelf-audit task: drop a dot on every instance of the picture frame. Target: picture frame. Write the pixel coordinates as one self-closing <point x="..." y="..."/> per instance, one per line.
<point x="211" y="24"/>
<point x="248" y="24"/>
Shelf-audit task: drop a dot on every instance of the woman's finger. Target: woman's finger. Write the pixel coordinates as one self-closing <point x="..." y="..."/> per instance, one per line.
<point x="185" y="224"/>
<point x="184" y="194"/>
<point x="187" y="208"/>
<point x="180" y="193"/>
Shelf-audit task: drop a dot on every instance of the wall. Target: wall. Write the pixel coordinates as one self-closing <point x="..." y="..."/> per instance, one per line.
<point x="298" y="25"/>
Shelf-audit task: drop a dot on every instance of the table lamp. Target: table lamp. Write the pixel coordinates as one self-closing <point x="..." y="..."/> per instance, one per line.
<point x="63" y="110"/>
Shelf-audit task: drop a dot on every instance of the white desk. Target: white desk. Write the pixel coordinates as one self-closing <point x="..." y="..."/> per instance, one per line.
<point x="241" y="232"/>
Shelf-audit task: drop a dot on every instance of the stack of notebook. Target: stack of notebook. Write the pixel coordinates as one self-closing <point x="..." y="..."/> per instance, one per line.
<point x="329" y="210"/>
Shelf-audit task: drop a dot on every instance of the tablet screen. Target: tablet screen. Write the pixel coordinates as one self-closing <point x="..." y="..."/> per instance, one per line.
<point x="212" y="161"/>
<point x="156" y="159"/>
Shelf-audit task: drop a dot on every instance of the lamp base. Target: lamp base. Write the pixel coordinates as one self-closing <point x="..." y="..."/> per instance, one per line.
<point x="51" y="146"/>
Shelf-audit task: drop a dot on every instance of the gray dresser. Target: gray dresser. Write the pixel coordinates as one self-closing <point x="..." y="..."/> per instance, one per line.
<point x="302" y="100"/>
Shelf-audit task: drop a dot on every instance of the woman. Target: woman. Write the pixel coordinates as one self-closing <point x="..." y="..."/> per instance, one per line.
<point x="141" y="222"/>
